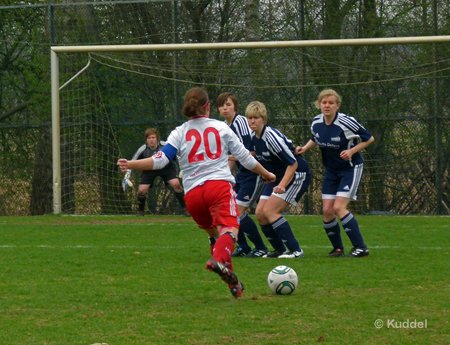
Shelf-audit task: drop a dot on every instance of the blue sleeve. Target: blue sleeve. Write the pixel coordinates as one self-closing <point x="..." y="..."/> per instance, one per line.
<point x="169" y="151"/>
<point x="313" y="137"/>
<point x="244" y="132"/>
<point x="247" y="141"/>
<point x="364" y="134"/>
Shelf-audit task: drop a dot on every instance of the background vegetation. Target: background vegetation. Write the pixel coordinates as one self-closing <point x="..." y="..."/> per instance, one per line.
<point x="399" y="93"/>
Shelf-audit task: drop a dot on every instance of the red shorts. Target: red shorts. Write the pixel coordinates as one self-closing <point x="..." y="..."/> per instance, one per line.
<point x="213" y="204"/>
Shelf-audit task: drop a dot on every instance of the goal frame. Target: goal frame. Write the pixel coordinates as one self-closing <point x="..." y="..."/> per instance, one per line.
<point x="55" y="88"/>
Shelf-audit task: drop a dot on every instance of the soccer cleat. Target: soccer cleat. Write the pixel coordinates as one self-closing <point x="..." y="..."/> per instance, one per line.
<point x="227" y="275"/>
<point x="237" y="290"/>
<point x="336" y="253"/>
<point x="257" y="253"/>
<point x="140" y="213"/>
<point x="358" y="253"/>
<point x="274" y="254"/>
<point x="186" y="212"/>
<point x="293" y="255"/>
<point x="241" y="252"/>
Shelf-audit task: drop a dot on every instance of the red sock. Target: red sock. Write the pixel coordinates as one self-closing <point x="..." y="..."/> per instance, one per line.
<point x="223" y="249"/>
<point x="230" y="264"/>
<point x="212" y="243"/>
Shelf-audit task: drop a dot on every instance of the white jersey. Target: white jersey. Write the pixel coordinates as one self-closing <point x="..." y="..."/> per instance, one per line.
<point x="203" y="145"/>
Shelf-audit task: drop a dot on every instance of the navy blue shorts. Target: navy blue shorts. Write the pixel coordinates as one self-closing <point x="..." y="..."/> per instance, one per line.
<point x="294" y="190"/>
<point x="344" y="183"/>
<point x="247" y="193"/>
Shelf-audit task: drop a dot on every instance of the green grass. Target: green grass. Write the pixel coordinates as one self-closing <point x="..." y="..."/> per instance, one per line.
<point x="124" y="280"/>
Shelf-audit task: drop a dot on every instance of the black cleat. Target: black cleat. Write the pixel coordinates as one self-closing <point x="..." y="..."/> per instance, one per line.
<point x="274" y="254"/>
<point x="257" y="253"/>
<point x="358" y="253"/>
<point x="336" y="253"/>
<point x="237" y="290"/>
<point x="227" y="275"/>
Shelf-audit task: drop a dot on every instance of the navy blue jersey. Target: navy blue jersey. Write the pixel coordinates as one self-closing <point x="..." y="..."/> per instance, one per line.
<point x="343" y="134"/>
<point x="275" y="152"/>
<point x="241" y="128"/>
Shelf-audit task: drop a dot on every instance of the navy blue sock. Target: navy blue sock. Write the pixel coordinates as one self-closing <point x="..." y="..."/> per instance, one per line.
<point x="284" y="231"/>
<point x="241" y="240"/>
<point x="333" y="231"/>
<point x="249" y="228"/>
<point x="273" y="237"/>
<point x="351" y="228"/>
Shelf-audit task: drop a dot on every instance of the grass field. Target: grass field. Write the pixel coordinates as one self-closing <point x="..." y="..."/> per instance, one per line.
<point x="127" y="280"/>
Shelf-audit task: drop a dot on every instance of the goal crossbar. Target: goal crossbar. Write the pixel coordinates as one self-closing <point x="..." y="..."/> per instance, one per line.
<point x="253" y="45"/>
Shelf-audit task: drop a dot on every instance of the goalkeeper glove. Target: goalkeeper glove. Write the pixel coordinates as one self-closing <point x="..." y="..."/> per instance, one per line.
<point x="126" y="182"/>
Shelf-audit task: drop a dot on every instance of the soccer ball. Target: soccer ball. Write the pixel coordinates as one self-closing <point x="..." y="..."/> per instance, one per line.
<point x="282" y="280"/>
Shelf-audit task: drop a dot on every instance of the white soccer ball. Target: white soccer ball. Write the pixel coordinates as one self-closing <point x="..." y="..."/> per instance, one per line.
<point x="282" y="280"/>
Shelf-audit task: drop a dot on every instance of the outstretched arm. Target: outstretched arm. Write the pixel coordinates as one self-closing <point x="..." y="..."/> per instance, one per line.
<point x="158" y="161"/>
<point x="142" y="164"/>
<point x="266" y="175"/>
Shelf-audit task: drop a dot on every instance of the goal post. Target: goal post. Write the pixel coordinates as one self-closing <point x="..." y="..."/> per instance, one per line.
<point x="297" y="70"/>
<point x="56" y="142"/>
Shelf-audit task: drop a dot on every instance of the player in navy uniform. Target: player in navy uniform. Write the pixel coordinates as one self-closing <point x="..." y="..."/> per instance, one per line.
<point x="168" y="174"/>
<point x="340" y="139"/>
<point x="245" y="187"/>
<point x="202" y="145"/>
<point x="275" y="152"/>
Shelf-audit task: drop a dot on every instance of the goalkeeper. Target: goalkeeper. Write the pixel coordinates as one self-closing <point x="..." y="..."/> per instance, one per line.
<point x="168" y="174"/>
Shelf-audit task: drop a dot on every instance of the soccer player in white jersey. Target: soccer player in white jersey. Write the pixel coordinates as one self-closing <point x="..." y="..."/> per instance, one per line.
<point x="340" y="139"/>
<point x="275" y="152"/>
<point x="202" y="145"/>
<point x="246" y="189"/>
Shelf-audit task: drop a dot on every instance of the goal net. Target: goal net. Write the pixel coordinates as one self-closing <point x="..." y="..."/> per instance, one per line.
<point x="104" y="100"/>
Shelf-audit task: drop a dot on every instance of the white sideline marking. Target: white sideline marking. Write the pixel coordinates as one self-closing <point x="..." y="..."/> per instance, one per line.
<point x="385" y="247"/>
<point x="171" y="247"/>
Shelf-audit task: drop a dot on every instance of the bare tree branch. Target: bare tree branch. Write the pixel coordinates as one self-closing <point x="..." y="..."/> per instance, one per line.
<point x="13" y="111"/>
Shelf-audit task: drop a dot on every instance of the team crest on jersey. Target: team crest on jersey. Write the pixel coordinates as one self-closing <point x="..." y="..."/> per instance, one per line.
<point x="158" y="154"/>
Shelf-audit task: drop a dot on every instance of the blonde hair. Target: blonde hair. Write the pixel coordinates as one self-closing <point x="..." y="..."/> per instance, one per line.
<point x="256" y="108"/>
<point x="327" y="93"/>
